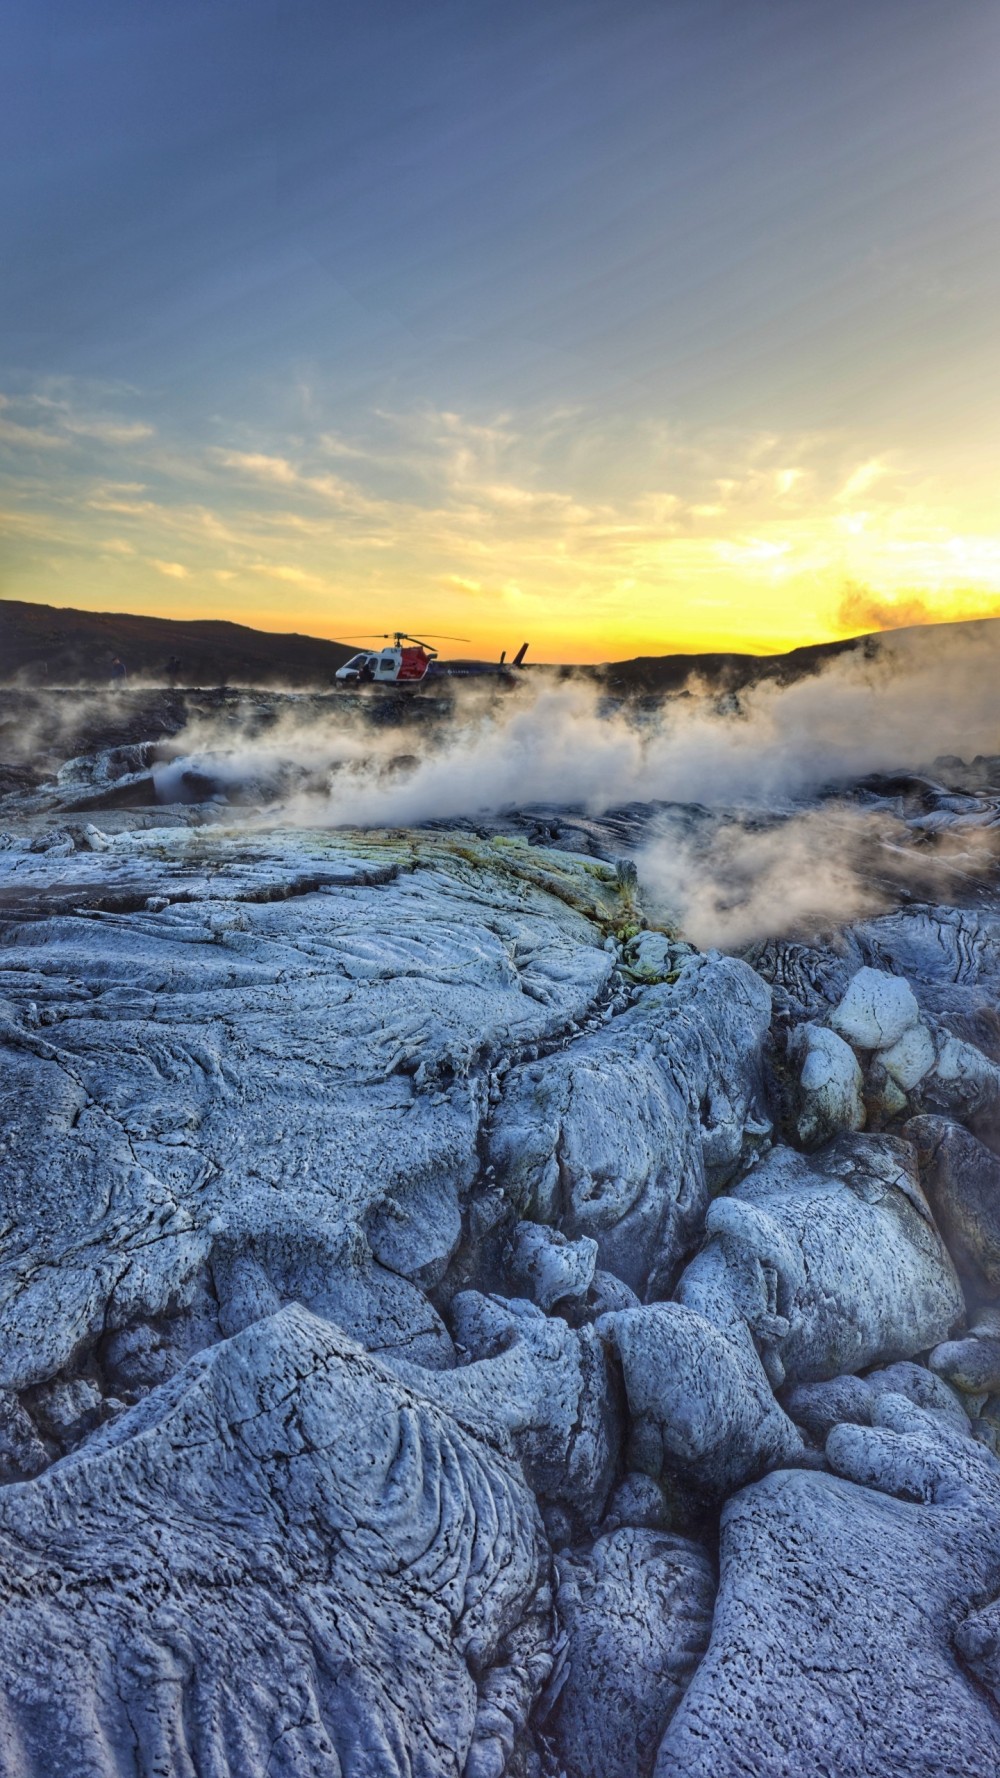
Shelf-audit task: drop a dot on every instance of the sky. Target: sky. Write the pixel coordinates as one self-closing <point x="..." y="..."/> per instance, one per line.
<point x="620" y="327"/>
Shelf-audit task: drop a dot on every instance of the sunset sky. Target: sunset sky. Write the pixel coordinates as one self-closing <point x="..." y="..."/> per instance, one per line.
<point x="622" y="327"/>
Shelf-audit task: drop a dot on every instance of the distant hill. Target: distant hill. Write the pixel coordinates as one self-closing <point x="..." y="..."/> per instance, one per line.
<point x="58" y="646"/>
<point x="54" y="645"/>
<point x="659" y="673"/>
<point x="721" y="673"/>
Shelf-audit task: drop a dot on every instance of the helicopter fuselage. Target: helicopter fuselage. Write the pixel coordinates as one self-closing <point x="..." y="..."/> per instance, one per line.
<point x="411" y="666"/>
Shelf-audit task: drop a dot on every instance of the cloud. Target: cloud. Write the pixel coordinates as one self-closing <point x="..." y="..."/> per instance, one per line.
<point x="862" y="479"/>
<point x="294" y="576"/>
<point x="106" y="431"/>
<point x="733" y="855"/>
<point x="256" y="463"/>
<point x="173" y="570"/>
<point x="729" y="880"/>
<point x="622" y="537"/>
<point x="106" y="428"/>
<point x="32" y="437"/>
<point x="340" y="447"/>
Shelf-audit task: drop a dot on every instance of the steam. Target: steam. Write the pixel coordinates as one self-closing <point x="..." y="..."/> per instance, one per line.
<point x="862" y="609"/>
<point x="731" y="882"/>
<point x="731" y="879"/>
<point x="753" y="841"/>
<point x="920" y="695"/>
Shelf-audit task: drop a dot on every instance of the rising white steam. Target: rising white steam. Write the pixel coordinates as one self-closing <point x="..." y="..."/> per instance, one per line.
<point x="923" y="694"/>
<point x="926" y="693"/>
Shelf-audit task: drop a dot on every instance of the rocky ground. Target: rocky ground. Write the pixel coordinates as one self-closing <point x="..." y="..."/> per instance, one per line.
<point x="450" y="1325"/>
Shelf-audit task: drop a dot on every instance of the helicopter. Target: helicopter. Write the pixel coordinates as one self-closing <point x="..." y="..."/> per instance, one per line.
<point x="409" y="662"/>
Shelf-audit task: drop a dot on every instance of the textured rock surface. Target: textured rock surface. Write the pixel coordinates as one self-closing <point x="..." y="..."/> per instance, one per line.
<point x="551" y="1268"/>
<point x="833" y="1261"/>
<point x="635" y="1612"/>
<point x="962" y="1178"/>
<point x="412" y="1265"/>
<point x="292" y="1082"/>
<point x="568" y="1436"/>
<point x="284" y="1560"/>
<point x="699" y="1401"/>
<point x="876" y="1010"/>
<point x="621" y="1136"/>
<point x="840" y="1596"/>
<point x="832" y="1086"/>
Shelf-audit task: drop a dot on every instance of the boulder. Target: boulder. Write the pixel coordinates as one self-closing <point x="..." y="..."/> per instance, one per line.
<point x="551" y="1267"/>
<point x="910" y="1058"/>
<point x="700" y="1407"/>
<point x="971" y="1365"/>
<point x="819" y="1407"/>
<point x="564" y="1416"/>
<point x="285" y="1547"/>
<point x="833" y="1259"/>
<point x="620" y="1136"/>
<point x="962" y="1180"/>
<point x="634" y="1613"/>
<point x="876" y="1010"/>
<point x="831" y="1085"/>
<point x="839" y="1598"/>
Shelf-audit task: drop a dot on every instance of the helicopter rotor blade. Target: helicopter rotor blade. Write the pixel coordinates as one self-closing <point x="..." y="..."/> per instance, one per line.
<point x="389" y="635"/>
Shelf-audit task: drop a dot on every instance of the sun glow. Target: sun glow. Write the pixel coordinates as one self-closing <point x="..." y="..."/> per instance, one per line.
<point x="476" y="529"/>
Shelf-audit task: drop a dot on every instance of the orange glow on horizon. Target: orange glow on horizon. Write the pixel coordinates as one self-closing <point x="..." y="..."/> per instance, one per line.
<point x="452" y="528"/>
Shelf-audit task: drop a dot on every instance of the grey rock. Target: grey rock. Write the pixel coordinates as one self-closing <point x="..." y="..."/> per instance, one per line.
<point x="972" y="1365"/>
<point x="635" y="1611"/>
<point x="831" y="1085"/>
<point x="609" y="1292"/>
<point x="876" y="1010"/>
<point x="965" y="1084"/>
<point x="819" y="1407"/>
<point x="285" y="1559"/>
<point x="287" y="1079"/>
<point x="832" y="1260"/>
<point x="567" y="1433"/>
<point x="279" y="1479"/>
<point x="932" y="945"/>
<point x="839" y="1595"/>
<point x="806" y="980"/>
<point x="910" y="1059"/>
<point x="551" y="1267"/>
<point x="962" y="1181"/>
<point x="620" y="1136"/>
<point x="639" y="1500"/>
<point x="977" y="1641"/>
<point x="22" y="1452"/>
<point x="700" y="1406"/>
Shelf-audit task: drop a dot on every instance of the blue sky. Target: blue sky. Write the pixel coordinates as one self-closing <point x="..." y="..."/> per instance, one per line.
<point x="496" y="284"/>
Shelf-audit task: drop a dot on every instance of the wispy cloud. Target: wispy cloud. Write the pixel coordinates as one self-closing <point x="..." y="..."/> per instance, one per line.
<point x="861" y="479"/>
<point x="605" y="535"/>
<point x="64" y="422"/>
<point x="291" y="576"/>
<point x="30" y="437"/>
<point x="112" y="432"/>
<point x="258" y="465"/>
